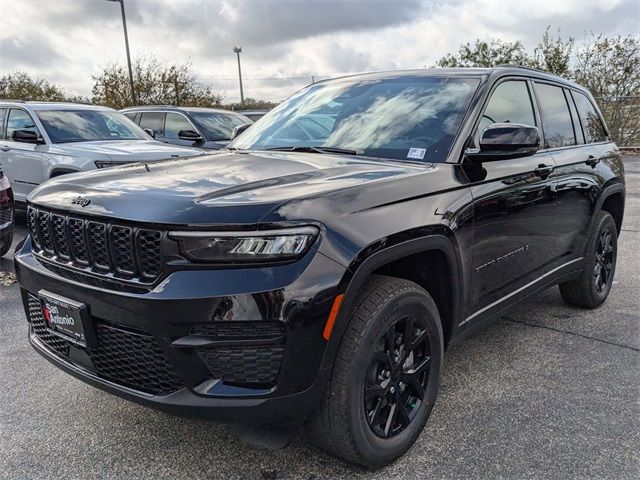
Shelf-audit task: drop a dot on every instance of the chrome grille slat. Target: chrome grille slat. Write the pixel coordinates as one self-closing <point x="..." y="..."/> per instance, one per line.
<point x="96" y="247"/>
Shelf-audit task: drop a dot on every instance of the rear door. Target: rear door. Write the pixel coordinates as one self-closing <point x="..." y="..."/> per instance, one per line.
<point x="513" y="207"/>
<point x="577" y="180"/>
<point x="21" y="162"/>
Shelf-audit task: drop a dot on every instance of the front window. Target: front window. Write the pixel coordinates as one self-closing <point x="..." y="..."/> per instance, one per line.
<point x="218" y="126"/>
<point x="65" y="126"/>
<point x="405" y="117"/>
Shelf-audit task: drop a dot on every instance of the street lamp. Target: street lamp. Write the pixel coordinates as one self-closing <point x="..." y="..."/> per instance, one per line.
<point x="237" y="51"/>
<point x="126" y="44"/>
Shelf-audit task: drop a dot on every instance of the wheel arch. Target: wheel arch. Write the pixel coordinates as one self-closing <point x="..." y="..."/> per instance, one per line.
<point x="58" y="171"/>
<point x="390" y="260"/>
<point x="612" y="200"/>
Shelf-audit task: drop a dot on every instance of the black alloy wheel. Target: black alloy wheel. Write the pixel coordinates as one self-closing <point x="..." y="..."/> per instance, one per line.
<point x="397" y="377"/>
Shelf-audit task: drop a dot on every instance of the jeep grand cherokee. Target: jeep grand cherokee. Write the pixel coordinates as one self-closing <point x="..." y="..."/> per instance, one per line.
<point x="316" y="270"/>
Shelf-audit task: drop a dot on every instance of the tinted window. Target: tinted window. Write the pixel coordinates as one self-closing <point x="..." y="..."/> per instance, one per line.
<point x="218" y="126"/>
<point x="84" y="125"/>
<point x="401" y="117"/>
<point x="174" y="123"/>
<point x="154" y="121"/>
<point x="509" y="103"/>
<point x="574" y="117"/>
<point x="556" y="119"/>
<point x="19" y="120"/>
<point x="593" y="128"/>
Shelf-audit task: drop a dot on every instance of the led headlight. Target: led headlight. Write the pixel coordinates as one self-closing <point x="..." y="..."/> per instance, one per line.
<point x="245" y="247"/>
<point x="109" y="164"/>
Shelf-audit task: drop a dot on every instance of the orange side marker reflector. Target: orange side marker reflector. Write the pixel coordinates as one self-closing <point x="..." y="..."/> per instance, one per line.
<point x="332" y="316"/>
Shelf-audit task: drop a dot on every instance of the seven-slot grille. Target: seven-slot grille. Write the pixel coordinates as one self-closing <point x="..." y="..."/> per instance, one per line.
<point x="122" y="251"/>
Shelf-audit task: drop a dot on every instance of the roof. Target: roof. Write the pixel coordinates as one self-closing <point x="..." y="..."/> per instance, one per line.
<point x="176" y="109"/>
<point x="55" y="105"/>
<point x="497" y="71"/>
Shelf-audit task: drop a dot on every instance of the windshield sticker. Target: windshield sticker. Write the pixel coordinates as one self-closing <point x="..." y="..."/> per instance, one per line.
<point x="417" y="153"/>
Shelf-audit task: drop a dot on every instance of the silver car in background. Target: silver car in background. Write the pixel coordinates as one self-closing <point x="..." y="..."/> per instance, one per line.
<point x="41" y="140"/>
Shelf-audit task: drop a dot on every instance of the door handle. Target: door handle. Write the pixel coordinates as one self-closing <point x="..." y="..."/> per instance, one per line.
<point x="543" y="171"/>
<point x="592" y="161"/>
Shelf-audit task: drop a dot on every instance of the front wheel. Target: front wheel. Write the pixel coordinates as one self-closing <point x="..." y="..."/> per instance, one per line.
<point x="592" y="287"/>
<point x="386" y="375"/>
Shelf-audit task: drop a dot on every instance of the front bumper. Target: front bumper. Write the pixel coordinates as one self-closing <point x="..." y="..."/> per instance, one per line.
<point x="147" y="350"/>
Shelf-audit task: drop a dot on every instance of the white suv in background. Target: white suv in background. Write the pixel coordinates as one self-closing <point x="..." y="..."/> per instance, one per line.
<point x="40" y="140"/>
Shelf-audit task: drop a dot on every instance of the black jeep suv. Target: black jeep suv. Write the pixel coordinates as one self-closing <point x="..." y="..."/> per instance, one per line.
<point x="317" y="269"/>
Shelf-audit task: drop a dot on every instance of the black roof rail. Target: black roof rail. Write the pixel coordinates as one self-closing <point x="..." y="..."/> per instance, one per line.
<point x="515" y="65"/>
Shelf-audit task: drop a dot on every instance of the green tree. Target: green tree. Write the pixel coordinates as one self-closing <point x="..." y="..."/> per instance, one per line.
<point x="610" y="68"/>
<point x="155" y="84"/>
<point x="552" y="55"/>
<point x="20" y="86"/>
<point x="251" y="104"/>
<point x="486" y="54"/>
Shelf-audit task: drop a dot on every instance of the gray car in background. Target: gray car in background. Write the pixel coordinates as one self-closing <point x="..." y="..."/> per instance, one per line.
<point x="41" y="140"/>
<point x="209" y="128"/>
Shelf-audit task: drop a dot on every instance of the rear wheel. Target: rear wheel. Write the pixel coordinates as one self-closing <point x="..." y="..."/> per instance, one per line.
<point x="386" y="375"/>
<point x="592" y="287"/>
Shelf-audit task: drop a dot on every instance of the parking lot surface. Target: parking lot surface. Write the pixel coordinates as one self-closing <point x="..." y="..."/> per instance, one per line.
<point x="545" y="391"/>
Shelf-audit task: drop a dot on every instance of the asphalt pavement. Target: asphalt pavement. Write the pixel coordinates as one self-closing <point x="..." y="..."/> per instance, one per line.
<point x="546" y="391"/>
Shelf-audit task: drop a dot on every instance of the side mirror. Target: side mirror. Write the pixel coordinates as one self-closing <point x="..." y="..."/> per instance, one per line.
<point x="27" y="136"/>
<point x="150" y="132"/>
<point x="190" y="135"/>
<point x="503" y="141"/>
<point x="238" y="130"/>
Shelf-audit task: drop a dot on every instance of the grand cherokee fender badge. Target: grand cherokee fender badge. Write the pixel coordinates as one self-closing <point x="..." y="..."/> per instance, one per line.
<point x="80" y="200"/>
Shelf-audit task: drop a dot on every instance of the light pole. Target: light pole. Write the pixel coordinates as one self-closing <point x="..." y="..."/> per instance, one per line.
<point x="237" y="50"/>
<point x="126" y="44"/>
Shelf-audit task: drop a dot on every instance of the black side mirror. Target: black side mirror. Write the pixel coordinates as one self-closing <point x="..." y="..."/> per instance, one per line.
<point x="27" y="136"/>
<point x="238" y="130"/>
<point x="502" y="141"/>
<point x="190" y="135"/>
<point x="150" y="132"/>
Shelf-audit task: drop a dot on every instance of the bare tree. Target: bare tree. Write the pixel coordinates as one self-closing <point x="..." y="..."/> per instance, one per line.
<point x="155" y="83"/>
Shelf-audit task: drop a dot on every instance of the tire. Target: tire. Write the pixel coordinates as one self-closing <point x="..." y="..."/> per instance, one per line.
<point x="6" y="244"/>
<point x="592" y="287"/>
<point x="354" y="429"/>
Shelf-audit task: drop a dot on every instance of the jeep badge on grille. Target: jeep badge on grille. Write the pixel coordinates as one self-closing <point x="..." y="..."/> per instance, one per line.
<point x="80" y="200"/>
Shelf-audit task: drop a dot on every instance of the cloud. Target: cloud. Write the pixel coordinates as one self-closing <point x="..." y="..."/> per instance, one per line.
<point x="285" y="42"/>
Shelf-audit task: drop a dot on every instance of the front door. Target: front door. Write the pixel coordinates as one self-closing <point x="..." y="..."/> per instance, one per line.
<point x="21" y="162"/>
<point x="514" y="206"/>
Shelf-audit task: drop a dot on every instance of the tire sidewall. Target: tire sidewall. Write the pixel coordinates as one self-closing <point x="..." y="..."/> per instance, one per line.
<point x="377" y="450"/>
<point x="606" y="221"/>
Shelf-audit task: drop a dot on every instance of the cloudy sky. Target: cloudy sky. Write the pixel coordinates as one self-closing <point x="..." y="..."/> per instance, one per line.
<point x="285" y="42"/>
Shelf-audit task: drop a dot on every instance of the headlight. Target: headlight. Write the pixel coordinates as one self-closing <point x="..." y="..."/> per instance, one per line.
<point x="108" y="164"/>
<point x="245" y="247"/>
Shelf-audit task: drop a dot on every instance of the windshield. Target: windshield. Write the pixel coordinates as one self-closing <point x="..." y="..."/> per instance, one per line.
<point x="218" y="126"/>
<point x="404" y="117"/>
<point x="64" y="126"/>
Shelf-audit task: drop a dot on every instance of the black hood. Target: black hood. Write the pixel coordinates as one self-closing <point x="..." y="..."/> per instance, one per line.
<point x="225" y="188"/>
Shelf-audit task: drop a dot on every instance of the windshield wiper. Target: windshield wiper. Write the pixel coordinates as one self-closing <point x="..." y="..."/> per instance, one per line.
<point x="304" y="148"/>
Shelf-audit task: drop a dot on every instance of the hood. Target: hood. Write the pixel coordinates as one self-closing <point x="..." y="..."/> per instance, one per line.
<point x="123" y="150"/>
<point x="223" y="188"/>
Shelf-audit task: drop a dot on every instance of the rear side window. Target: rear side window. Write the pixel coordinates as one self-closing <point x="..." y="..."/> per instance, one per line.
<point x="556" y="119"/>
<point x="510" y="102"/>
<point x="174" y="123"/>
<point x="154" y="121"/>
<point x="593" y="129"/>
<point x="131" y="116"/>
<point x="19" y="120"/>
